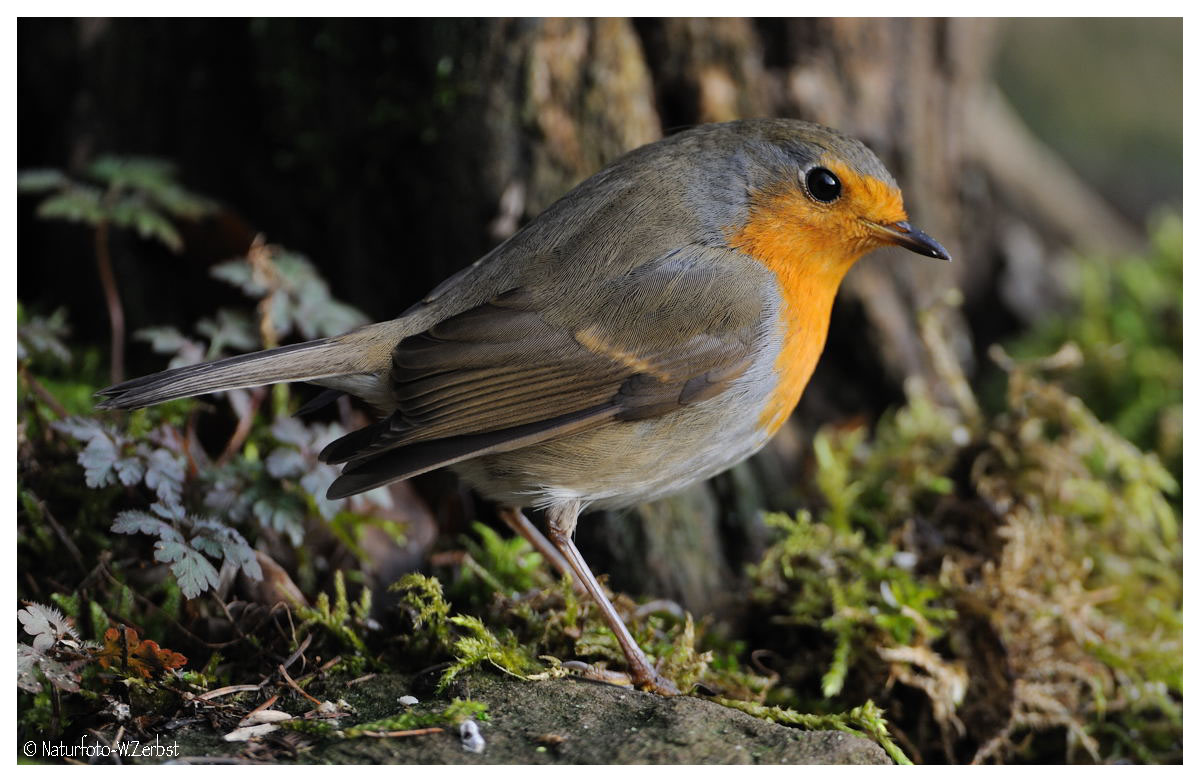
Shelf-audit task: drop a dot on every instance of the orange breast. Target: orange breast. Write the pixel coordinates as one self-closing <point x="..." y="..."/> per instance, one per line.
<point x="809" y="261"/>
<point x="805" y="324"/>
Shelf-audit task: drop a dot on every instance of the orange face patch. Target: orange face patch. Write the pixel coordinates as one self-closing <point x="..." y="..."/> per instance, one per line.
<point x="865" y="197"/>
<point x="809" y="246"/>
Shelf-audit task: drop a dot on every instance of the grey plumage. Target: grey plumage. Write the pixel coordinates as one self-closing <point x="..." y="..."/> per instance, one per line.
<point x="515" y="367"/>
<point x="304" y="362"/>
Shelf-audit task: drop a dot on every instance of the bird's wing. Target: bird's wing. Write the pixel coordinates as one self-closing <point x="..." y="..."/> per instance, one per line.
<point x="537" y="363"/>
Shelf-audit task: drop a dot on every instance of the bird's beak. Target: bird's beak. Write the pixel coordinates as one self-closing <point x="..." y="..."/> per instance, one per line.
<point x="904" y="235"/>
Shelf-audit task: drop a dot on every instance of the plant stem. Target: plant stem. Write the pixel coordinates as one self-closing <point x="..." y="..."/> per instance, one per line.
<point x="112" y="298"/>
<point x="40" y="391"/>
<point x="244" y="425"/>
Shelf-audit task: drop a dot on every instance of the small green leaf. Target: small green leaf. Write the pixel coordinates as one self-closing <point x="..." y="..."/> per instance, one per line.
<point x="291" y="431"/>
<point x="239" y="274"/>
<point x="98" y="460"/>
<point x="223" y="541"/>
<point x="152" y="225"/>
<point x="316" y="482"/>
<point x="135" y="172"/>
<point x="79" y="204"/>
<point x="27" y="668"/>
<point x="39" y="180"/>
<point x="283" y="513"/>
<point x="132" y="211"/>
<point x="165" y="474"/>
<point x="129" y="471"/>
<point x="82" y="429"/>
<point x="180" y="203"/>
<point x="194" y="573"/>
<point x="133" y="522"/>
<point x="39" y="336"/>
<point x="230" y="329"/>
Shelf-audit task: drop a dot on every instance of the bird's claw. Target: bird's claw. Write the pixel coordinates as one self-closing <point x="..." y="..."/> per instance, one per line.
<point x="648" y="680"/>
<point x="658" y="685"/>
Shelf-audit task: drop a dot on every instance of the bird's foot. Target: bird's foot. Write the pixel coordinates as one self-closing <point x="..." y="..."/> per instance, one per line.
<point x="597" y="674"/>
<point x="650" y="680"/>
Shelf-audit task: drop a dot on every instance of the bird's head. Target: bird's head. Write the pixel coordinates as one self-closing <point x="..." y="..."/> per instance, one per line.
<point x="816" y="200"/>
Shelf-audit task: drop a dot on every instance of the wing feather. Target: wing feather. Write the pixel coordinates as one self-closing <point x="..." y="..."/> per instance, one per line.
<point x="535" y="364"/>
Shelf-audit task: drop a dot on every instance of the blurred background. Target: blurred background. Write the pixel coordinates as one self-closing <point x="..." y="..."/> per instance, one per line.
<point x="1045" y="154"/>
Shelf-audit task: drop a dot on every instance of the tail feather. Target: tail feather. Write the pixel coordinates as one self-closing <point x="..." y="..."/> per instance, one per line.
<point x="322" y="358"/>
<point x="407" y="461"/>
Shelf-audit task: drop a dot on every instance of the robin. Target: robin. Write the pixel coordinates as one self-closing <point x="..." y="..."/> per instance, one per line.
<point x="650" y="329"/>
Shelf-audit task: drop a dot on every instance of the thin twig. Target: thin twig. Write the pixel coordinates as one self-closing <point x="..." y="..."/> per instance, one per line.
<point x="299" y="651"/>
<point x="263" y="269"/>
<point x="396" y="734"/>
<point x="268" y="703"/>
<point x="100" y="739"/>
<point x="287" y="611"/>
<point x="290" y="659"/>
<point x="189" y="438"/>
<point x="332" y="662"/>
<point x="112" y="299"/>
<point x="33" y="585"/>
<point x="292" y="683"/>
<point x="244" y="425"/>
<point x="228" y="690"/>
<point x="260" y="256"/>
<point x="41" y="393"/>
<point x="72" y="549"/>
<point x="225" y="609"/>
<point x="117" y="740"/>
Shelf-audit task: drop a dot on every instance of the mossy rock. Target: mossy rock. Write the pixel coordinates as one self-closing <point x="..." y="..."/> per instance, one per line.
<point x="563" y="721"/>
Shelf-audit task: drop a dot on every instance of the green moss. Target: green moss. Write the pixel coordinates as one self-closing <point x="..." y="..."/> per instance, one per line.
<point x="818" y="576"/>
<point x="454" y="713"/>
<point x="426" y="605"/>
<point x="37" y="713"/>
<point x="866" y="721"/>
<point x="1128" y="327"/>
<point x="338" y="617"/>
<point x="495" y="564"/>
<point x="477" y="644"/>
<point x="518" y="632"/>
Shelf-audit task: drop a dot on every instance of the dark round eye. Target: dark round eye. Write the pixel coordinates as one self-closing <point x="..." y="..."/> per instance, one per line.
<point x="823" y="185"/>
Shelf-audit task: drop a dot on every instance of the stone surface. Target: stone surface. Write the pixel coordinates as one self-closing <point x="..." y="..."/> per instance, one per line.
<point x="572" y="721"/>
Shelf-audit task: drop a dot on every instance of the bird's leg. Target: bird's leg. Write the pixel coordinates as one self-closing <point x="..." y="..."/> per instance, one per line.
<point x="517" y="522"/>
<point x="561" y="520"/>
